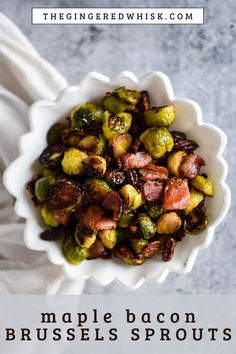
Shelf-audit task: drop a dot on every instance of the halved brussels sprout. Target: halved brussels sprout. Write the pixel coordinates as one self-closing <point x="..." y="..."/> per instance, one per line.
<point x="54" y="133"/>
<point x="115" y="177"/>
<point x="63" y="196"/>
<point x="160" y="116"/>
<point x="73" y="252"/>
<point x="71" y="137"/>
<point x="52" y="155"/>
<point x="138" y="244"/>
<point x="131" y="196"/>
<point x="113" y="105"/>
<point x="203" y="185"/>
<point x="108" y="237"/>
<point x="86" y="115"/>
<point x="168" y="223"/>
<point x="120" y="144"/>
<point x="96" y="190"/>
<point x="93" y="145"/>
<point x="154" y="209"/>
<point x="42" y="185"/>
<point x="48" y="217"/>
<point x="130" y="96"/>
<point x="157" y="141"/>
<point x="72" y="162"/>
<point x="174" y="162"/>
<point x="195" y="199"/>
<point x="126" y="219"/>
<point x="114" y="125"/>
<point x="84" y="236"/>
<point x="195" y="221"/>
<point x="148" y="227"/>
<point x="95" y="166"/>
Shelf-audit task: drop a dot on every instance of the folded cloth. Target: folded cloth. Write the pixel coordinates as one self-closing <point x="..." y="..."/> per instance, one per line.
<point x="24" y="78"/>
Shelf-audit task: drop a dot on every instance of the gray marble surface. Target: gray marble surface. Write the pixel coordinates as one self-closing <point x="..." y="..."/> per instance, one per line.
<point x="201" y="63"/>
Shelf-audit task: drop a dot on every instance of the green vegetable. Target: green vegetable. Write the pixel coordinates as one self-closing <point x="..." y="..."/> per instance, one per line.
<point x="148" y="227"/>
<point x="52" y="155"/>
<point x="93" y="145"/>
<point x="72" y="163"/>
<point x="131" y="196"/>
<point x="174" y="161"/>
<point x="126" y="219"/>
<point x="120" y="144"/>
<point x="71" y="137"/>
<point x="63" y="196"/>
<point x="138" y="244"/>
<point x="154" y="209"/>
<point x="73" y="252"/>
<point x="195" y="221"/>
<point x="168" y="223"/>
<point x="84" y="236"/>
<point x="95" y="166"/>
<point x="96" y="190"/>
<point x="130" y="96"/>
<point x="48" y="217"/>
<point x="203" y="185"/>
<point x="108" y="237"/>
<point x="42" y="185"/>
<point x="114" y="125"/>
<point x="86" y="115"/>
<point x="195" y="199"/>
<point x="159" y="116"/>
<point x="113" y="105"/>
<point x="157" y="141"/>
<point x="54" y="133"/>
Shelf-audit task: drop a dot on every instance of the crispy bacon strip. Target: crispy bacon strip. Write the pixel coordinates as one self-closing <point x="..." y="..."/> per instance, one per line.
<point x="151" y="172"/>
<point x="138" y="160"/>
<point x="113" y="202"/>
<point x="176" y="194"/>
<point x="152" y="190"/>
<point x="191" y="165"/>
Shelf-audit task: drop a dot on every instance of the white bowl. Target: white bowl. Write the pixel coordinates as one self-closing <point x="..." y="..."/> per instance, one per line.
<point x="212" y="142"/>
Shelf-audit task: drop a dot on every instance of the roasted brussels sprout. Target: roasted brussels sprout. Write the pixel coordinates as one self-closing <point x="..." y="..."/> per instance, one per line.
<point x="154" y="209"/>
<point x="93" y="145"/>
<point x="126" y="219"/>
<point x="84" y="236"/>
<point x="42" y="185"/>
<point x="157" y="141"/>
<point x="138" y="244"/>
<point x="120" y="144"/>
<point x="174" y="162"/>
<point x="54" y="133"/>
<point x="63" y="196"/>
<point x="195" y="221"/>
<point x="95" y="166"/>
<point x="130" y="96"/>
<point x="148" y="227"/>
<point x="52" y="155"/>
<point x="131" y="196"/>
<point x="116" y="124"/>
<point x="195" y="199"/>
<point x="48" y="217"/>
<point x="96" y="190"/>
<point x="113" y="104"/>
<point x="72" y="163"/>
<point x="73" y="252"/>
<point x="203" y="185"/>
<point x="160" y="116"/>
<point x="86" y="115"/>
<point x="71" y="137"/>
<point x="168" y="223"/>
<point x="108" y="237"/>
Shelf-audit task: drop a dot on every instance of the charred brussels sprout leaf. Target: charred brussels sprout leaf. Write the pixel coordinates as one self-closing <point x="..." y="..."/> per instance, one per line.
<point x="114" y="125"/>
<point x="157" y="141"/>
<point x="52" y="155"/>
<point x="96" y="190"/>
<point x="126" y="219"/>
<point x="48" y="217"/>
<point x="174" y="162"/>
<point x="86" y="115"/>
<point x="168" y="223"/>
<point x="160" y="116"/>
<point x="71" y="137"/>
<point x="108" y="237"/>
<point x="195" y="199"/>
<point x="148" y="227"/>
<point x="154" y="209"/>
<point x="195" y="221"/>
<point x="84" y="236"/>
<point x="113" y="105"/>
<point x="42" y="185"/>
<point x="93" y="145"/>
<point x="54" y="133"/>
<point x="131" y="196"/>
<point x="203" y="185"/>
<point x="95" y="166"/>
<point x="138" y="244"/>
<point x="73" y="252"/>
<point x="130" y="96"/>
<point x="72" y="163"/>
<point x="63" y="196"/>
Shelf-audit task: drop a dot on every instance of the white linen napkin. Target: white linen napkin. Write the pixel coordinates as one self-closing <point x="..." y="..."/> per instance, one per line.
<point x="24" y="78"/>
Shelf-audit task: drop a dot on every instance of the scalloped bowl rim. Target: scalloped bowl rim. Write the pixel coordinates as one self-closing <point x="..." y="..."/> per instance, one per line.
<point x="138" y="281"/>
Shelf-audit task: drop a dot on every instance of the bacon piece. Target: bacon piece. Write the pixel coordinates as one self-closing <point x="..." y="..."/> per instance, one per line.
<point x="94" y="219"/>
<point x="176" y="194"/>
<point x="191" y="165"/>
<point x="113" y="202"/>
<point x="138" y="160"/>
<point x="105" y="223"/>
<point x="96" y="250"/>
<point x="152" y="190"/>
<point x="152" y="172"/>
<point x="151" y="249"/>
<point x="62" y="218"/>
